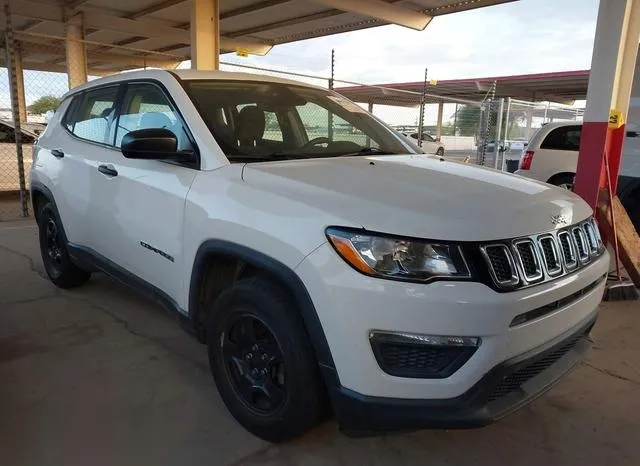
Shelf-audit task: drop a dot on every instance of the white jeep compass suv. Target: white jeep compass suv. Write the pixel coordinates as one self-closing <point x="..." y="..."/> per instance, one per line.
<point x="321" y="266"/>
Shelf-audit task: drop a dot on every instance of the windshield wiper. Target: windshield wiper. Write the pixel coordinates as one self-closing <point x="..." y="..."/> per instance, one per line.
<point x="368" y="151"/>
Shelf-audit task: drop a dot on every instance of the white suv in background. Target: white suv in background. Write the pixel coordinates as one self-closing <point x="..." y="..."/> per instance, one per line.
<point x="343" y="268"/>
<point x="552" y="156"/>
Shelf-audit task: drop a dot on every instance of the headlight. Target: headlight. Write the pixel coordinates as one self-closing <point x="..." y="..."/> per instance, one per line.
<point x="398" y="258"/>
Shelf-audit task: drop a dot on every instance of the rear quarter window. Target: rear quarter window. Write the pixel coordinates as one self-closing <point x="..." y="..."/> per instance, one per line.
<point x="563" y="138"/>
<point x="89" y="115"/>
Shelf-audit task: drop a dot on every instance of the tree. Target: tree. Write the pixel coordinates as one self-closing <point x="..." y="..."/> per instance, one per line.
<point x="43" y="104"/>
<point x="467" y="119"/>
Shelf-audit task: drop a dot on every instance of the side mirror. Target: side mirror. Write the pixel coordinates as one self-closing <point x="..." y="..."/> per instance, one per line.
<point x="151" y="144"/>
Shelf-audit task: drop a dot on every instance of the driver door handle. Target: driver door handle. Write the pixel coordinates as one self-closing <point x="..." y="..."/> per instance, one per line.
<point x="108" y="170"/>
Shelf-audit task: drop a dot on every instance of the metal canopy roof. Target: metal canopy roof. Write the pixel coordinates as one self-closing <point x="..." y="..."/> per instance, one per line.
<point x="162" y="26"/>
<point x="562" y="87"/>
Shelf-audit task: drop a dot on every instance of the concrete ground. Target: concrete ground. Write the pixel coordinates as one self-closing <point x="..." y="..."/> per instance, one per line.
<point x="99" y="376"/>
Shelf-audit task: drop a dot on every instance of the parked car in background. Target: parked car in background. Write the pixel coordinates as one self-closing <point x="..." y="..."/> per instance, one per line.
<point x="552" y="156"/>
<point x="429" y="144"/>
<point x="516" y="147"/>
<point x="9" y="174"/>
<point x="343" y="268"/>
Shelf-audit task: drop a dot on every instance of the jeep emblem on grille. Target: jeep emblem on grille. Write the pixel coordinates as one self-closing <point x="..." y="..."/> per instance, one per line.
<point x="558" y="220"/>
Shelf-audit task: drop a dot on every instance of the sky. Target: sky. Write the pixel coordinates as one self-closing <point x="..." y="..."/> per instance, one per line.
<point x="526" y="36"/>
<point x="522" y="37"/>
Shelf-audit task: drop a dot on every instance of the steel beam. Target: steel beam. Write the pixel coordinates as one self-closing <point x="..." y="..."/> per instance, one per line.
<point x="383" y="11"/>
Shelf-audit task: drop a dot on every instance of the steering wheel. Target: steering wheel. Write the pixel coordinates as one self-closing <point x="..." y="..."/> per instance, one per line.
<point x="316" y="141"/>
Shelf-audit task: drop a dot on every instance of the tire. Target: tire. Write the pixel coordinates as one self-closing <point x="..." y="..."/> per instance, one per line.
<point x="280" y="362"/>
<point x="564" y="181"/>
<point x="440" y="151"/>
<point x="53" y="248"/>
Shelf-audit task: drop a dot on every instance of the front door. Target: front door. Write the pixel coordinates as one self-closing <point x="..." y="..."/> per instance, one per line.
<point x="144" y="231"/>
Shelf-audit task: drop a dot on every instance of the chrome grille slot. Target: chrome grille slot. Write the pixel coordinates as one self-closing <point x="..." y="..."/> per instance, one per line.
<point x="568" y="250"/>
<point x="590" y="235"/>
<point x="550" y="255"/>
<point x="581" y="244"/>
<point x="528" y="260"/>
<point x="501" y="265"/>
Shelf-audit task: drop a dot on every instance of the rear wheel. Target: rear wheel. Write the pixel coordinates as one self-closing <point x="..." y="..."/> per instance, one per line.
<point x="564" y="181"/>
<point x="262" y="361"/>
<point x="440" y="151"/>
<point x="53" y="248"/>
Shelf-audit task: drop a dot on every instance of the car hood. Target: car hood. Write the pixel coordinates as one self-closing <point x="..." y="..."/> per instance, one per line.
<point x="421" y="196"/>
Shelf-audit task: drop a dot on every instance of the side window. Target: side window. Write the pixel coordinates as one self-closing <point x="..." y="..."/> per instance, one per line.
<point x="90" y="119"/>
<point x="146" y="106"/>
<point x="68" y="119"/>
<point x="563" y="138"/>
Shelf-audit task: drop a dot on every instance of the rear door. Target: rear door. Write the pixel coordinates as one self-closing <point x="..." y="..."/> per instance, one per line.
<point x="71" y="156"/>
<point x="141" y="229"/>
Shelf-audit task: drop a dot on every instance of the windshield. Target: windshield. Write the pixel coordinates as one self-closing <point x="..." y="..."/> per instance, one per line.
<point x="259" y="121"/>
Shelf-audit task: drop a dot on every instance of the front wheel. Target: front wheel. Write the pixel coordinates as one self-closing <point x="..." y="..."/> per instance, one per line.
<point x="53" y="248"/>
<point x="262" y="361"/>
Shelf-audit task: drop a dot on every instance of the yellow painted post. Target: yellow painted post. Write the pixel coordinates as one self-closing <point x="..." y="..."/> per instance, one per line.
<point x="439" y="122"/>
<point x="205" y="35"/>
<point x="76" y="53"/>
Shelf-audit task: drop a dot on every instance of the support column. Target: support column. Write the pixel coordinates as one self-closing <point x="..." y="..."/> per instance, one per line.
<point x="439" y="121"/>
<point x="529" y="113"/>
<point x="76" y="53"/>
<point x="205" y="35"/>
<point x="612" y="68"/>
<point x="22" y="104"/>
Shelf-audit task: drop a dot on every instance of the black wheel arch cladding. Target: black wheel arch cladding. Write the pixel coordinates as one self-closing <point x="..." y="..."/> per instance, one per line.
<point x="278" y="270"/>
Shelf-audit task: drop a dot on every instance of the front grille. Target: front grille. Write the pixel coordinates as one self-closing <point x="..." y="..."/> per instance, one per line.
<point x="581" y="244"/>
<point x="528" y="257"/>
<point x="590" y="235"/>
<point x="566" y="246"/>
<point x="419" y="360"/>
<point x="550" y="254"/>
<point x="501" y="264"/>
<point x="514" y="381"/>
<point x="526" y="261"/>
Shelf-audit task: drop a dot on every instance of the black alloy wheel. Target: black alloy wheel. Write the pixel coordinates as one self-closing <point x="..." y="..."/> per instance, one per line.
<point x="53" y="245"/>
<point x="59" y="266"/>
<point x="255" y="364"/>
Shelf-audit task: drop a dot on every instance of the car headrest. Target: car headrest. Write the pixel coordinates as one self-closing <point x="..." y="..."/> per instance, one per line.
<point x="250" y="125"/>
<point x="155" y="120"/>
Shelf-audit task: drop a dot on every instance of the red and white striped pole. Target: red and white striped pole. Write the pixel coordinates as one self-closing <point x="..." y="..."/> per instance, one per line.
<point x="612" y="67"/>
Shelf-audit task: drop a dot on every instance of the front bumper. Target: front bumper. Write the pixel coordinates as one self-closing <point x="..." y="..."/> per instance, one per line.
<point x="350" y="306"/>
<point x="504" y="389"/>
